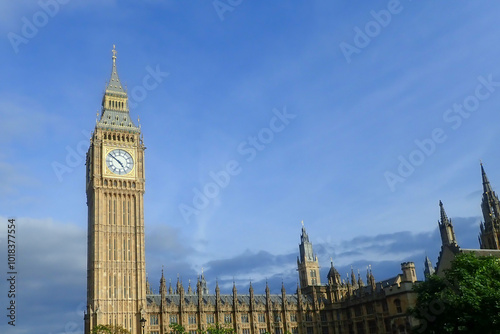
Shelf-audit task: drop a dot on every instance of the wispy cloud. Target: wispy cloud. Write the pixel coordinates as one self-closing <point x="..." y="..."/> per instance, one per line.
<point x="21" y="113"/>
<point x="12" y="179"/>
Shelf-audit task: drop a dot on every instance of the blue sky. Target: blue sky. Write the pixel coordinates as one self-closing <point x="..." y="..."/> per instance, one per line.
<point x="386" y="118"/>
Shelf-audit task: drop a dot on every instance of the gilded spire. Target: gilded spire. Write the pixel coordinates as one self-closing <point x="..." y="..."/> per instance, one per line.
<point x="115" y="112"/>
<point x="114" y="54"/>
<point x="114" y="84"/>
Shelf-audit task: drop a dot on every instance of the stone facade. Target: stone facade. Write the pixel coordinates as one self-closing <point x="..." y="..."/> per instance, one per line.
<point x="334" y="308"/>
<point x="119" y="294"/>
<point x="116" y="268"/>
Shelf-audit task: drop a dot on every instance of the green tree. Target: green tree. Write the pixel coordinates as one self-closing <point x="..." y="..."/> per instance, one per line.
<point x="214" y="329"/>
<point x="466" y="300"/>
<point x="109" y="329"/>
<point x="219" y="329"/>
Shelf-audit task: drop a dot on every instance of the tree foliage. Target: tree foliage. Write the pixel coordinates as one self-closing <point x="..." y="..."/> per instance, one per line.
<point x="466" y="300"/>
<point x="109" y="329"/>
<point x="214" y="329"/>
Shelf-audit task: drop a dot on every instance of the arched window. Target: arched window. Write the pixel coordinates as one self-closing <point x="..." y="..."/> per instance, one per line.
<point x="125" y="291"/>
<point x="109" y="292"/>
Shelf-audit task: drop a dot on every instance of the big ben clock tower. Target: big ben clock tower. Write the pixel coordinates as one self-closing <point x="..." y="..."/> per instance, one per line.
<point x="116" y="277"/>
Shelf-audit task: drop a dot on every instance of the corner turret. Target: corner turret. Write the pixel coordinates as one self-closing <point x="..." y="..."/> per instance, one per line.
<point x="409" y="274"/>
<point x="446" y="228"/>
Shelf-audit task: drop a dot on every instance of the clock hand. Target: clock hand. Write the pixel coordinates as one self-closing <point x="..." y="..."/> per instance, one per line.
<point x="117" y="160"/>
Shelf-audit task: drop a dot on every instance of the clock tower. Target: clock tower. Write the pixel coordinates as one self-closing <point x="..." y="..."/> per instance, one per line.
<point x="116" y="276"/>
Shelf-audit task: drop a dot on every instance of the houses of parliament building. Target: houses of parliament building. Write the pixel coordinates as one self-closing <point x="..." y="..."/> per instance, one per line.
<point x="118" y="292"/>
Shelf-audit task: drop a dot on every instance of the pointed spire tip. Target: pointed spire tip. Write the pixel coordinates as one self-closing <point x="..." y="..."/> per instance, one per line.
<point x="114" y="53"/>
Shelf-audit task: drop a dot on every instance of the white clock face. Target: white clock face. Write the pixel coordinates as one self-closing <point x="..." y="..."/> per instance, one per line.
<point x="119" y="162"/>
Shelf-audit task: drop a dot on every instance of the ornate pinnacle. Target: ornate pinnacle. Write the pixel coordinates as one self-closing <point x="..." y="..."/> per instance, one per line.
<point x="114" y="53"/>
